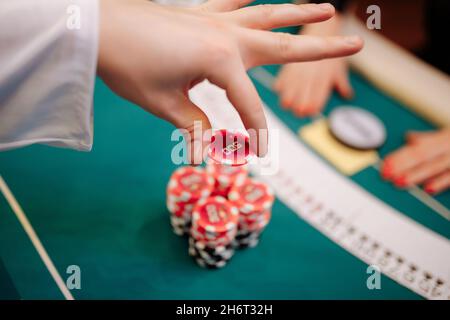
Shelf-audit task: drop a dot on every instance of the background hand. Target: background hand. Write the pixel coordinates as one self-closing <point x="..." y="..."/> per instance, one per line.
<point x="424" y="160"/>
<point x="305" y="87"/>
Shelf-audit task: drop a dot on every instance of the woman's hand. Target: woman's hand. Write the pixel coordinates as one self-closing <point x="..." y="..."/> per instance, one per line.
<point x="305" y="87"/>
<point x="152" y="55"/>
<point x="424" y="160"/>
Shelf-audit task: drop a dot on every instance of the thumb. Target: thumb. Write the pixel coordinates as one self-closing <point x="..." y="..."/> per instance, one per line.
<point x="195" y="126"/>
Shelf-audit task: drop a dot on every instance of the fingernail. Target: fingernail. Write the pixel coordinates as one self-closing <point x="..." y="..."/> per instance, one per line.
<point x="386" y="174"/>
<point x="286" y="103"/>
<point x="386" y="170"/>
<point x="429" y="189"/>
<point x="352" y="40"/>
<point x="326" y="6"/>
<point x="400" y="182"/>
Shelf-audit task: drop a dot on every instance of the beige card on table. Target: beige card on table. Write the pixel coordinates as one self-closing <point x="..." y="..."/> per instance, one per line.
<point x="347" y="160"/>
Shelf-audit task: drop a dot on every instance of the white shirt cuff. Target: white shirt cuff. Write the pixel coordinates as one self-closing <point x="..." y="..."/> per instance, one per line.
<point x="48" y="65"/>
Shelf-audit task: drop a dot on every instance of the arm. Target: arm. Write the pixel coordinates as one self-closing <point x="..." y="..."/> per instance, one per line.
<point x="47" y="73"/>
<point x="152" y="55"/>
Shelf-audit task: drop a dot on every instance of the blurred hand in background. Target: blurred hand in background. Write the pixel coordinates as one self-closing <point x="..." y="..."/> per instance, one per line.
<point x="425" y="159"/>
<point x="305" y="87"/>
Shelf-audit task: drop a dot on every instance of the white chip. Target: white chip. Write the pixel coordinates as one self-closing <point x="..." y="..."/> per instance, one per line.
<point x="357" y="128"/>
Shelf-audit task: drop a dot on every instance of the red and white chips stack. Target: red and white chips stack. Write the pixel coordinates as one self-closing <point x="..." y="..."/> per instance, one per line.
<point x="220" y="208"/>
<point x="186" y="187"/>
<point x="225" y="176"/>
<point x="214" y="227"/>
<point x="254" y="200"/>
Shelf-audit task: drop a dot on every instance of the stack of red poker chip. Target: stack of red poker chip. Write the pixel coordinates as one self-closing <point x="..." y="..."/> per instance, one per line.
<point x="225" y="176"/>
<point x="254" y="200"/>
<point x="186" y="187"/>
<point x="220" y="208"/>
<point x="214" y="226"/>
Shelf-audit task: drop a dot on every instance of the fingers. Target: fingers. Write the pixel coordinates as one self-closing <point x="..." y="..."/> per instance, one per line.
<point x="282" y="15"/>
<point x="264" y="47"/>
<point x="286" y="87"/>
<point x="439" y="183"/>
<point x="424" y="171"/>
<point x="425" y="160"/>
<point x="305" y="87"/>
<point x="318" y="97"/>
<point x="277" y="84"/>
<point x="223" y="5"/>
<point x="193" y="123"/>
<point x="301" y="100"/>
<point x="243" y="95"/>
<point x="416" y="136"/>
<point x="408" y="157"/>
<point x="343" y="86"/>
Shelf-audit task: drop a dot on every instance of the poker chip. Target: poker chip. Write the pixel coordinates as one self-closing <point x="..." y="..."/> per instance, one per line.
<point x="211" y="253"/>
<point x="254" y="200"/>
<point x="210" y="257"/>
<point x="179" y="209"/>
<point x="215" y="214"/>
<point x="255" y="225"/>
<point x="189" y="184"/>
<point x="186" y="187"/>
<point x="357" y="128"/>
<point x="214" y="222"/>
<point x="251" y="196"/>
<point x="230" y="148"/>
<point x="246" y="239"/>
<point x="244" y="244"/>
<point x="220" y="209"/>
<point x="225" y="176"/>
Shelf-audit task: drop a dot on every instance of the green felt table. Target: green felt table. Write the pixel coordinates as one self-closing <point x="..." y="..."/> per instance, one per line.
<point x="105" y="212"/>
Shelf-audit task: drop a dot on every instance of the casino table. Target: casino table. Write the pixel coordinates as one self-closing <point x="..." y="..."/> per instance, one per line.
<point x="104" y="211"/>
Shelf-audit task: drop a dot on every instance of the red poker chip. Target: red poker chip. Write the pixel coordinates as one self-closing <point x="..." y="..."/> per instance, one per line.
<point x="215" y="214"/>
<point x="251" y="196"/>
<point x="189" y="184"/>
<point x="204" y="234"/>
<point x="225" y="175"/>
<point x="230" y="148"/>
<point x="220" y="192"/>
<point x="261" y="217"/>
<point x="212" y="243"/>
<point x="255" y="225"/>
<point x="180" y="209"/>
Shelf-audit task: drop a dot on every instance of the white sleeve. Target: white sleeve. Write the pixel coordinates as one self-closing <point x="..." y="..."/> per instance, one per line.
<point x="48" y="60"/>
